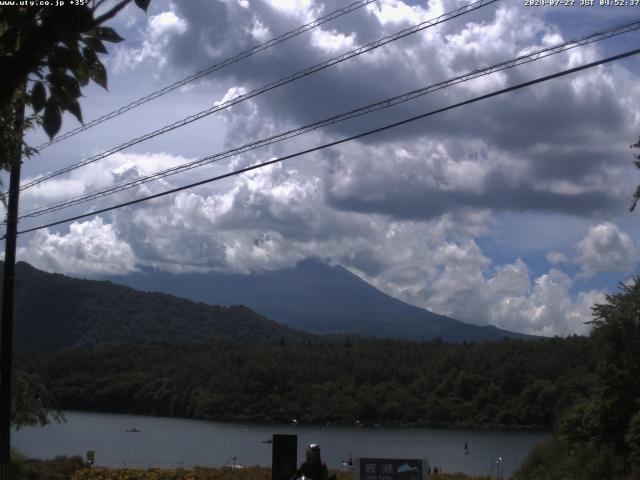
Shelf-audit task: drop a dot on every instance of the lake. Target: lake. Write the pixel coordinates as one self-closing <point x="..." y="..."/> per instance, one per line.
<point x="174" y="442"/>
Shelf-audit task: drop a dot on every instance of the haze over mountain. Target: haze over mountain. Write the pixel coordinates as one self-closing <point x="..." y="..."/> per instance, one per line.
<point x="318" y="298"/>
<point x="53" y="311"/>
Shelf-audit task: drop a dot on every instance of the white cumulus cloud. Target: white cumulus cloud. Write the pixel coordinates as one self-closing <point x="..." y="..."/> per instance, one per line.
<point x="555" y="258"/>
<point x="161" y="30"/>
<point x="89" y="248"/>
<point x="606" y="248"/>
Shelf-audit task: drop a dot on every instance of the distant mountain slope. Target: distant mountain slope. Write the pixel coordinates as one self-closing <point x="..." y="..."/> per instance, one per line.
<point x="53" y="311"/>
<point x="316" y="297"/>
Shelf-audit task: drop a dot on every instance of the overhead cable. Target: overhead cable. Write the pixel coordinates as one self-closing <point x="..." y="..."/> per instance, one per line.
<point x="217" y="66"/>
<point x="283" y="81"/>
<point x="398" y="99"/>
<point x="338" y="142"/>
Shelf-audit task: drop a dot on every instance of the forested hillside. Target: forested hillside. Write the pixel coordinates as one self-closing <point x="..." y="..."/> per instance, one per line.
<point x="53" y="311"/>
<point x="506" y="384"/>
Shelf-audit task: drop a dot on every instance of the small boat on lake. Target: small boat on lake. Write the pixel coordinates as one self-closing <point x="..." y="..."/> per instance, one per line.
<point x="133" y="429"/>
<point x="348" y="463"/>
<point x="233" y="465"/>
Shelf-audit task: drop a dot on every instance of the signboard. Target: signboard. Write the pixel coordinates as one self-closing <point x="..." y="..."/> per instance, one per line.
<point x="284" y="456"/>
<point x="389" y="469"/>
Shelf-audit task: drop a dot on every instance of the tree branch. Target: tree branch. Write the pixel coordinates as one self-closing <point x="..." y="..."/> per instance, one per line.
<point x="97" y="4"/>
<point x="111" y="13"/>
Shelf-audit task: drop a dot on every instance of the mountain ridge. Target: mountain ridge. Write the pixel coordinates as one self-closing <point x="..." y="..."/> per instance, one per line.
<point x="54" y="311"/>
<point x="317" y="298"/>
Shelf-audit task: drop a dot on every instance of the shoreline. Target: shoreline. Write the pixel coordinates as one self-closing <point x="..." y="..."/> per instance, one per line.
<point x="498" y="428"/>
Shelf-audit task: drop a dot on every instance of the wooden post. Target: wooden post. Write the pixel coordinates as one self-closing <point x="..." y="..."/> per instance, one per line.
<point x="6" y="329"/>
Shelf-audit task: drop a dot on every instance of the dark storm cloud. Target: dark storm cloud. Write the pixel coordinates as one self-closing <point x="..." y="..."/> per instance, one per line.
<point x="409" y="207"/>
<point x="366" y="261"/>
<point x="417" y="201"/>
<point x="574" y="165"/>
<point x="432" y="204"/>
<point x="552" y="113"/>
<point x="352" y="84"/>
<point x="555" y="113"/>
<point x="553" y="131"/>
<point x="209" y="29"/>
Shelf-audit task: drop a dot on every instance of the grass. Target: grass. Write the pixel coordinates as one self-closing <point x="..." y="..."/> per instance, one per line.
<point x="200" y="473"/>
<point x="59" y="468"/>
<point x="73" y="468"/>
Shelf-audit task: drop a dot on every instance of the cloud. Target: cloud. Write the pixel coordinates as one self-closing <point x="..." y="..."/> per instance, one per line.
<point x="607" y="249"/>
<point x="430" y="177"/>
<point x="166" y="23"/>
<point x="274" y="217"/>
<point x="117" y="168"/>
<point x="549" y="308"/>
<point x="555" y="258"/>
<point x="470" y="288"/>
<point x="407" y="209"/>
<point x="507" y="298"/>
<point x="538" y="150"/>
<point x="161" y="30"/>
<point x="89" y="248"/>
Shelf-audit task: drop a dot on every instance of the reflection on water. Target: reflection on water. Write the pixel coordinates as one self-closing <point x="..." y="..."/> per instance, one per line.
<point x="171" y="442"/>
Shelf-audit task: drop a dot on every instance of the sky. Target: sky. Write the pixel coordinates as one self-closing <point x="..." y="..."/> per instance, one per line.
<point x="512" y="211"/>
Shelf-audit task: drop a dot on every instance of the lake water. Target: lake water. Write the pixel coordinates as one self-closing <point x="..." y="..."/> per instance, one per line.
<point x="172" y="442"/>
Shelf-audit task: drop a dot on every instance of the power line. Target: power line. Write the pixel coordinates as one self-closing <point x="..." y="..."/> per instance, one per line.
<point x="241" y="56"/>
<point x="338" y="142"/>
<point x="283" y="81"/>
<point x="523" y="59"/>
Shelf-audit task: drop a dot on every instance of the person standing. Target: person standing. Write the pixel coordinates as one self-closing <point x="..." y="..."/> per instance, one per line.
<point x="313" y="467"/>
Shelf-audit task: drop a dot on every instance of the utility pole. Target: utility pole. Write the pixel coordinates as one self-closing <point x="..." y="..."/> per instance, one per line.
<point x="6" y="329"/>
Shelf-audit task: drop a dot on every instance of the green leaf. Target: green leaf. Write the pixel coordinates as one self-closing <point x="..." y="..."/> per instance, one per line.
<point x="90" y="55"/>
<point x="95" y="44"/>
<point x="71" y="105"/>
<point x="99" y="74"/>
<point x="108" y="35"/>
<point x="81" y="72"/>
<point x="52" y="119"/>
<point x="143" y="4"/>
<point x="38" y="96"/>
<point x="63" y="84"/>
<point x="92" y="32"/>
<point x="63" y="58"/>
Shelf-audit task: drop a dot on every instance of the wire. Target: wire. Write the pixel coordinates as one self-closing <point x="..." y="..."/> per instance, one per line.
<point x="338" y="142"/>
<point x="283" y="81"/>
<point x="533" y="56"/>
<point x="241" y="56"/>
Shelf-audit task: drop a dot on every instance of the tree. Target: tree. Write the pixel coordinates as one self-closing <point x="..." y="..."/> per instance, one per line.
<point x="33" y="404"/>
<point x="633" y="443"/>
<point x="47" y="54"/>
<point x="599" y="436"/>
<point x="636" y="154"/>
<point x="616" y="335"/>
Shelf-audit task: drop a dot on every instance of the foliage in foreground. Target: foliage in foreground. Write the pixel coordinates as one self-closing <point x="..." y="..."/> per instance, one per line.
<point x="599" y="436"/>
<point x="196" y="473"/>
<point x="47" y="55"/>
<point x="32" y="403"/>
<point x="58" y="468"/>
<point x="554" y="459"/>
<point x="201" y="473"/>
<point x="72" y="468"/>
